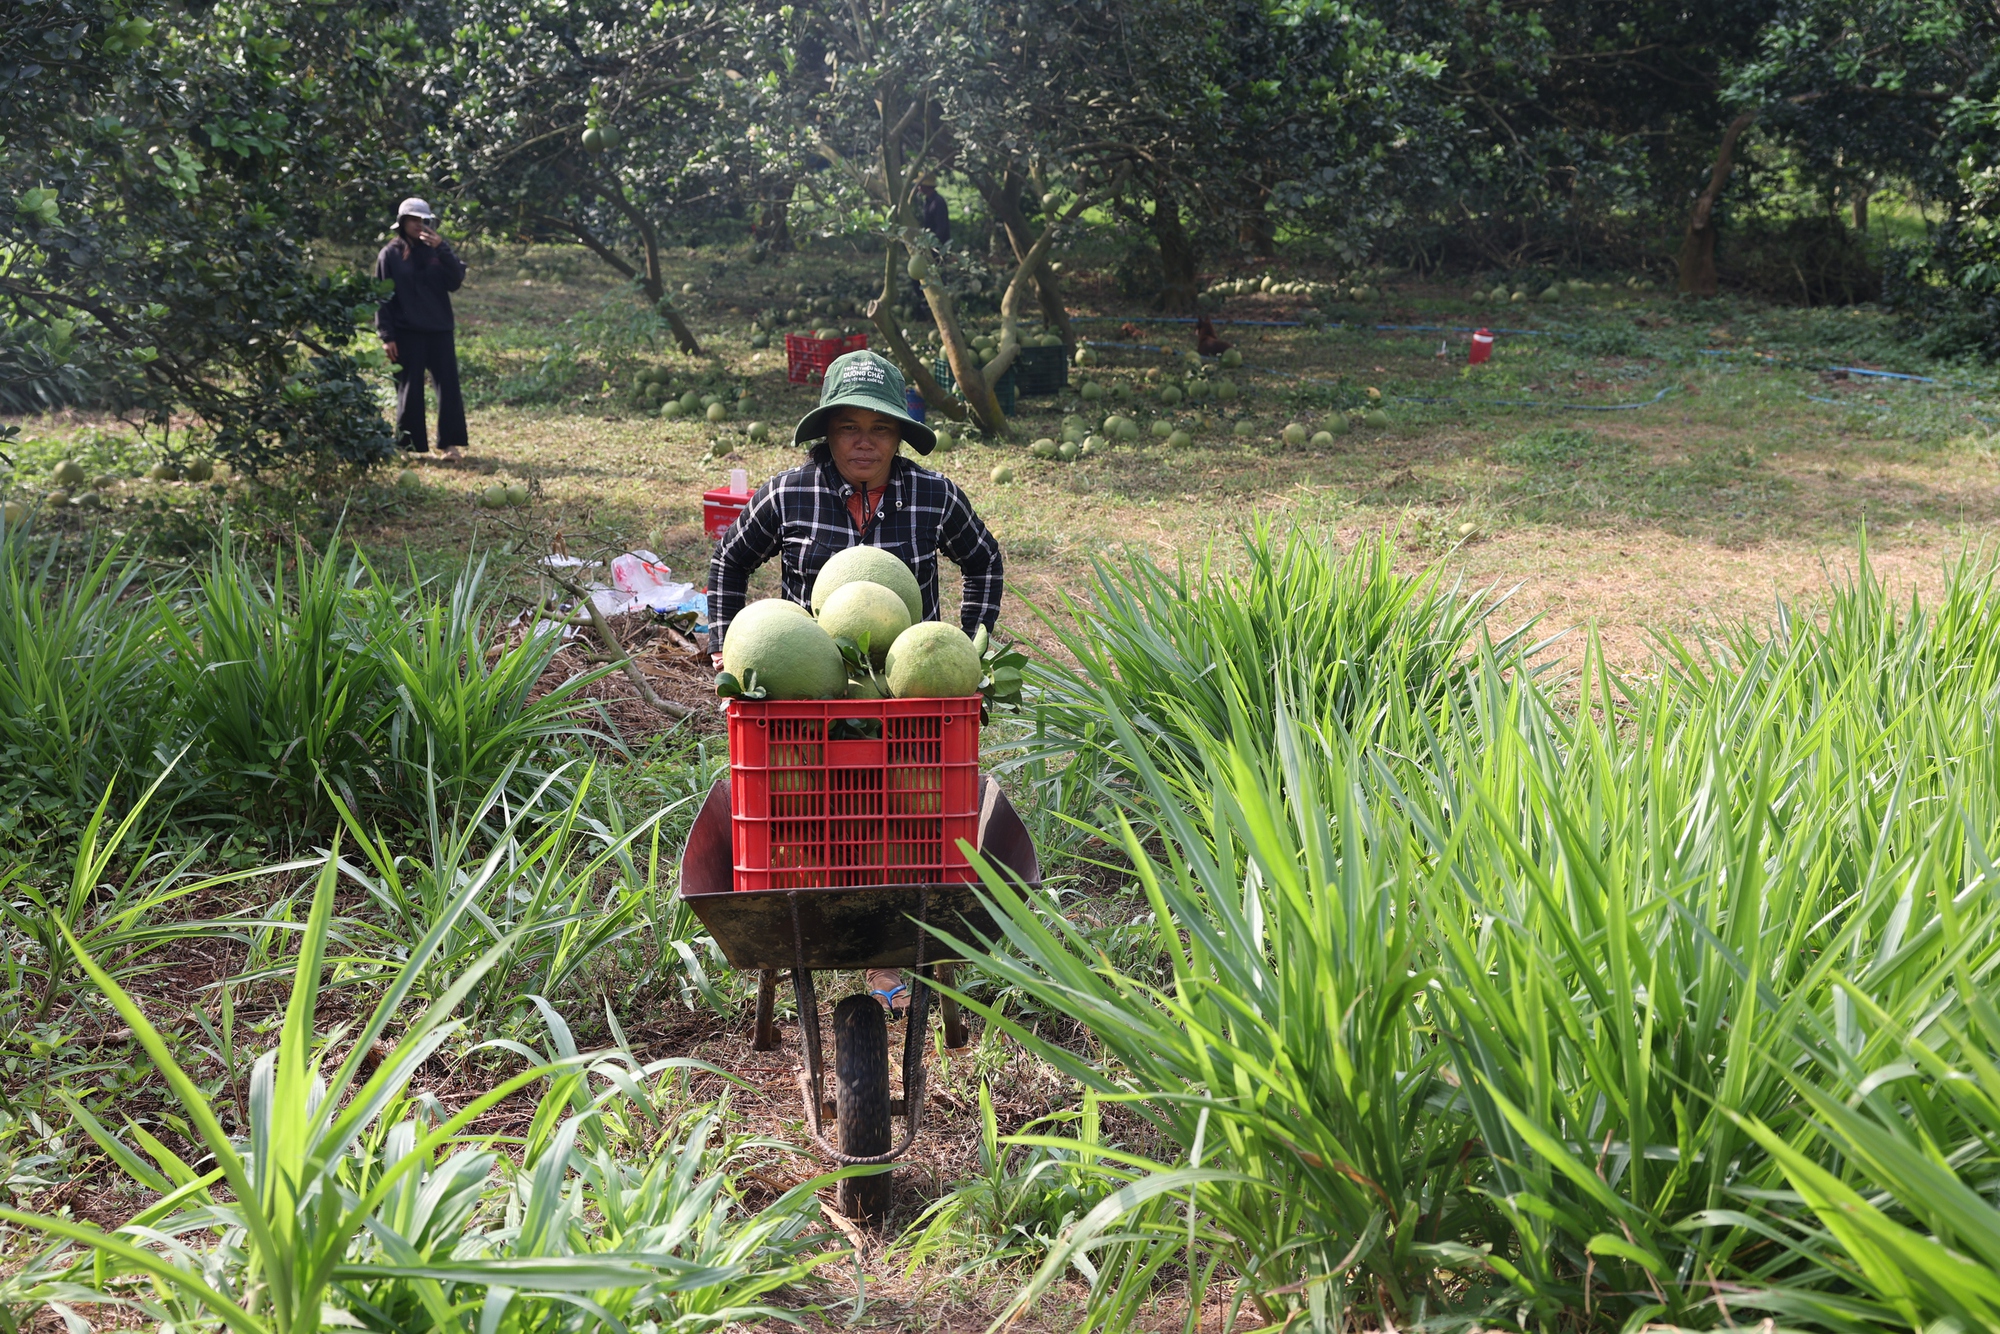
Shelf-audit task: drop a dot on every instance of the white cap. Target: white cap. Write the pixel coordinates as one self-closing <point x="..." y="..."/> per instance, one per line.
<point x="414" y="207"/>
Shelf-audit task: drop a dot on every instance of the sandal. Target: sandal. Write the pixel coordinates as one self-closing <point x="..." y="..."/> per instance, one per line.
<point x="891" y="993"/>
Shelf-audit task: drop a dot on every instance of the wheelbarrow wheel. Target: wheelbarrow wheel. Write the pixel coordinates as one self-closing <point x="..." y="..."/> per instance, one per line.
<point x="861" y="1101"/>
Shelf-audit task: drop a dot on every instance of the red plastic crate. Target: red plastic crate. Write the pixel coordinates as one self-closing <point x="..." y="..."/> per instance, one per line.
<point x="806" y="359"/>
<point x="719" y="509"/>
<point x="810" y="813"/>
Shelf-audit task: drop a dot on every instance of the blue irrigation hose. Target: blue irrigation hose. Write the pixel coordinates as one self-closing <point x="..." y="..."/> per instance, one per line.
<point x="1323" y="324"/>
<point x="1531" y="403"/>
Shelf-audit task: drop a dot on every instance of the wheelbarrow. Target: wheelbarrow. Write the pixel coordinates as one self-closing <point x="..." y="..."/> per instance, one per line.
<point x="852" y="927"/>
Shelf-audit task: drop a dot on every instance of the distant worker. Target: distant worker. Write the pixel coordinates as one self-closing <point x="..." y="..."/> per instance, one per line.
<point x="932" y="211"/>
<point x="935" y="216"/>
<point x="416" y="326"/>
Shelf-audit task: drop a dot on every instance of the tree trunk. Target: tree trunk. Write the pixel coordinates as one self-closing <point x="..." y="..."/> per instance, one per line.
<point x="882" y="311"/>
<point x="979" y="397"/>
<point x="1178" y="281"/>
<point x="1697" y="262"/>
<point x="654" y="282"/>
<point x="1004" y="201"/>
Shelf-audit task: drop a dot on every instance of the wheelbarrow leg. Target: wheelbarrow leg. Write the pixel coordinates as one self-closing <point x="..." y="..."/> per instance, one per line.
<point x="766" y="1036"/>
<point x="954" y="1022"/>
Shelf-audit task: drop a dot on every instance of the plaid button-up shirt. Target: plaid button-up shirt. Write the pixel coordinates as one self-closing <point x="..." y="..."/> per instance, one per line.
<point x="801" y="516"/>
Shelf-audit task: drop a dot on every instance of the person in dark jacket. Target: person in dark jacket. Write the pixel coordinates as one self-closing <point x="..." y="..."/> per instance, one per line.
<point x="857" y="489"/>
<point x="416" y="326"/>
<point x="935" y="216"/>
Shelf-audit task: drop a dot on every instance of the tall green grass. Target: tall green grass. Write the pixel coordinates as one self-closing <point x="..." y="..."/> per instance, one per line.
<point x="352" y="1200"/>
<point x="1343" y="634"/>
<point x="319" y="678"/>
<point x="1526" y="1008"/>
<point x="78" y="711"/>
<point x="279" y="679"/>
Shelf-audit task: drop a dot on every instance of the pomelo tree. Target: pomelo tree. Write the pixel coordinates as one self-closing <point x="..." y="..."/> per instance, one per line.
<point x="610" y="125"/>
<point x="166" y="169"/>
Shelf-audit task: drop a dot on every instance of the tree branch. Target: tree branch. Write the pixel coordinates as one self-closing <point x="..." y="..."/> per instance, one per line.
<point x="609" y="638"/>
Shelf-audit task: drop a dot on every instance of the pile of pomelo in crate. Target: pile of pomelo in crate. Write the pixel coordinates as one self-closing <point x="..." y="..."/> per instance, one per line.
<point x="865" y="638"/>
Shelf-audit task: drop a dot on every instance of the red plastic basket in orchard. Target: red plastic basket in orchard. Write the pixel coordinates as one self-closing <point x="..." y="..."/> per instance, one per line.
<point x="806" y="358"/>
<point x="832" y="792"/>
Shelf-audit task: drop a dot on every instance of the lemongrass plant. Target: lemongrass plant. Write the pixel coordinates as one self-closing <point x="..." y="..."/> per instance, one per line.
<point x="1522" y="1008"/>
<point x="350" y="1200"/>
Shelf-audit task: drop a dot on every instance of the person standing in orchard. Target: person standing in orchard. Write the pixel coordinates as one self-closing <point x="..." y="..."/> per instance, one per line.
<point x="417" y="327"/>
<point x="857" y="489"/>
<point x="935" y="216"/>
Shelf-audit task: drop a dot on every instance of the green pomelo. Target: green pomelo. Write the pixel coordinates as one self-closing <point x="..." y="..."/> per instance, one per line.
<point x="946" y="442"/>
<point x="494" y="497"/>
<point x="865" y="609"/>
<point x="409" y="479"/>
<point x="870" y="565"/>
<point x="1232" y="358"/>
<point x="517" y="495"/>
<point x="673" y="409"/>
<point x="1043" y="449"/>
<point x="69" y="473"/>
<point x="1321" y="440"/>
<point x="1001" y="475"/>
<point x="1163" y="429"/>
<point x="759" y="432"/>
<point x="865" y="687"/>
<point x="164" y="472"/>
<point x="793" y="657"/>
<point x="1296" y="434"/>
<point x="1244" y="426"/>
<point x="1338" y="424"/>
<point x="1066" y="451"/>
<point x="717" y="413"/>
<point x="932" y="660"/>
<point x="1170" y="394"/>
<point x="1378" y="418"/>
<point x="1180" y="440"/>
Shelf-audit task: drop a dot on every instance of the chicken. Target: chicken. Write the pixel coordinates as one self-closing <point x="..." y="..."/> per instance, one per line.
<point x="1205" y="341"/>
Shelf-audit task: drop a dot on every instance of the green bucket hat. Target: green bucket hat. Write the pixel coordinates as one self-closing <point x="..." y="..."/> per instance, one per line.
<point x="864" y="380"/>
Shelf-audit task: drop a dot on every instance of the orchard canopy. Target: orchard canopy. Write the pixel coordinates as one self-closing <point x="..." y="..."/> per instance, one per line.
<point x="175" y="174"/>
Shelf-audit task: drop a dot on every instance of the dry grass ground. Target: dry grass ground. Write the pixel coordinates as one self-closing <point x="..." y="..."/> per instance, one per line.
<point x="1735" y="488"/>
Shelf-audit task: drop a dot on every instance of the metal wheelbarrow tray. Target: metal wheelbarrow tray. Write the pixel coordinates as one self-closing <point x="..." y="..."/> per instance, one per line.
<point x="852" y="927"/>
